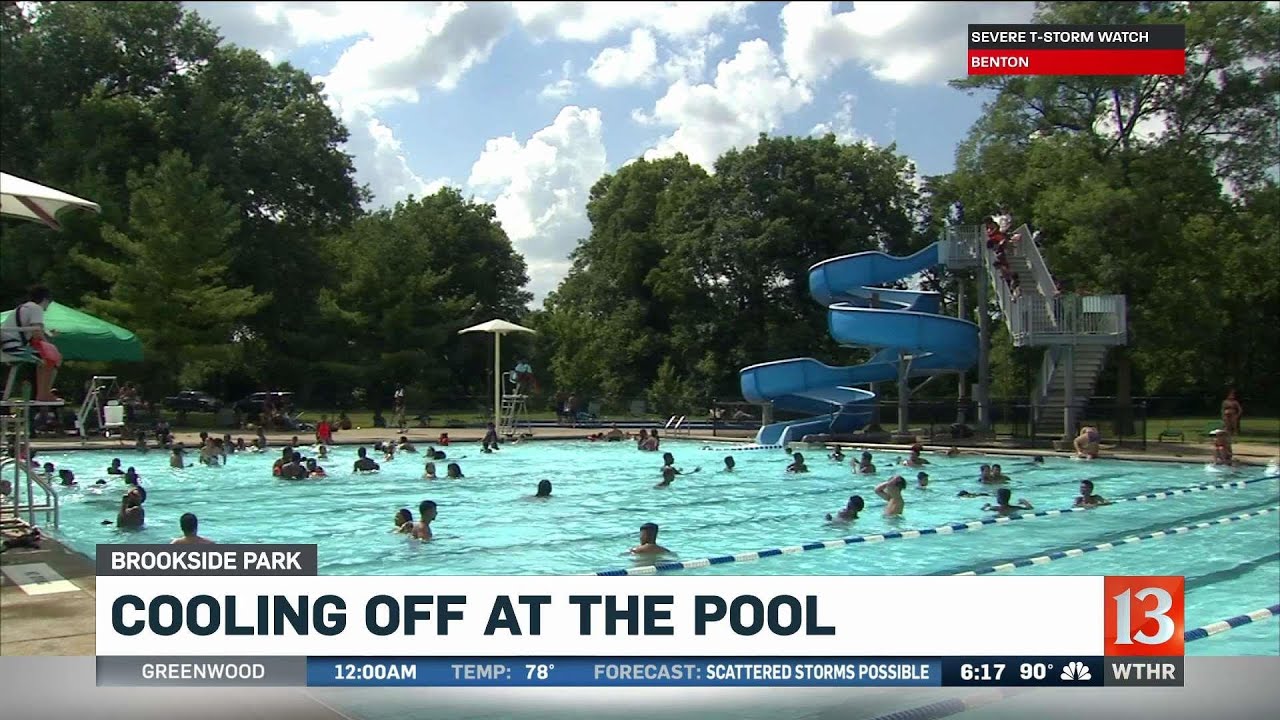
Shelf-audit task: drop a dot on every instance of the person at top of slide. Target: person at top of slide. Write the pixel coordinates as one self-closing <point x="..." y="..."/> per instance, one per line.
<point x="891" y="492"/>
<point x="24" y="335"/>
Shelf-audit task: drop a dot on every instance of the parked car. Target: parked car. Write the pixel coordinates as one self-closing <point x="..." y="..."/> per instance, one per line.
<point x="252" y="405"/>
<point x="192" y="401"/>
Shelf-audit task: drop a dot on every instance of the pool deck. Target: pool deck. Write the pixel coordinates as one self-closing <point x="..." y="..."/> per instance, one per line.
<point x="52" y="612"/>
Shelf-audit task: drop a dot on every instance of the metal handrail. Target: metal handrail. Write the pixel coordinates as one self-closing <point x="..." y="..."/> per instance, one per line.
<point x="51" y="501"/>
<point x="1035" y="260"/>
<point x="1101" y="317"/>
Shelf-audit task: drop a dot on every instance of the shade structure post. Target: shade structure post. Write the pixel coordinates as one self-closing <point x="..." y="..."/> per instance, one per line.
<point x="497" y="378"/>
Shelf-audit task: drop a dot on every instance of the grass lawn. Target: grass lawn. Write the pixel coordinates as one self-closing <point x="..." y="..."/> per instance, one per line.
<point x="1264" y="430"/>
<point x="364" y="418"/>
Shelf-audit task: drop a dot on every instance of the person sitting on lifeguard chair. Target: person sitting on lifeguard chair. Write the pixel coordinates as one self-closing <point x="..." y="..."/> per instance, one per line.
<point x="524" y="378"/>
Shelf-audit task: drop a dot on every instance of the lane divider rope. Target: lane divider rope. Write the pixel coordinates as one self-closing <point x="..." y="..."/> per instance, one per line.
<point x="1222" y="626"/>
<point x="906" y="534"/>
<point x="1102" y="547"/>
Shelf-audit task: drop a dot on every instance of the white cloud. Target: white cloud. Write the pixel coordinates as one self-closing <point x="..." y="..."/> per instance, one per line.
<point x="418" y="46"/>
<point x="689" y="60"/>
<point x="562" y="88"/>
<point x="540" y="189"/>
<point x="632" y="64"/>
<point x="751" y="94"/>
<point x="595" y="21"/>
<point x="842" y="123"/>
<point x="902" y="42"/>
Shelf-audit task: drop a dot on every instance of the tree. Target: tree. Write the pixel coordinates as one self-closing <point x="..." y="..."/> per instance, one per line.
<point x="411" y="277"/>
<point x="1140" y="185"/>
<point x="170" y="286"/>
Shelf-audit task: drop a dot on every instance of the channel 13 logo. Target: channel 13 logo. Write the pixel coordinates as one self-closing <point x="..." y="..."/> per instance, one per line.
<point x="1143" y="616"/>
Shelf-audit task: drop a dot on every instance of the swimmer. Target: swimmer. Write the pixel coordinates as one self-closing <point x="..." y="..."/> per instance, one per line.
<point x="914" y="460"/>
<point x="797" y="464"/>
<point x="952" y="451"/>
<point x="286" y="457"/>
<point x="544" y="490"/>
<point x="891" y="492"/>
<point x="403" y="522"/>
<point x="443" y="439"/>
<point x="388" y="452"/>
<point x="406" y="446"/>
<point x="189" y="523"/>
<point x="850" y="511"/>
<point x="258" y="445"/>
<point x="648" y="541"/>
<point x="1222" y="452"/>
<point x="984" y="474"/>
<point x="314" y="470"/>
<point x="729" y="463"/>
<point x="175" y="458"/>
<point x="836" y="454"/>
<point x="322" y="452"/>
<point x="131" y="515"/>
<point x="1087" y="498"/>
<point x="967" y="494"/>
<point x="240" y="446"/>
<point x="1003" y="505"/>
<point x="922" y="480"/>
<point x="668" y="475"/>
<point x="49" y="471"/>
<point x="996" y="476"/>
<point x="429" y="472"/>
<point x="489" y="442"/>
<point x="227" y="445"/>
<point x="1038" y="460"/>
<point x="294" y="443"/>
<point x="363" y="462"/>
<point x="1087" y="441"/>
<point x="67" y="477"/>
<point x="615" y="434"/>
<point x="427" y="511"/>
<point x="140" y="442"/>
<point x="209" y="453"/>
<point x="454" y="471"/>
<point x="294" y="469"/>
<point x="864" y="466"/>
<point x="669" y="461"/>
<point x="115" y="468"/>
<point x="131" y="476"/>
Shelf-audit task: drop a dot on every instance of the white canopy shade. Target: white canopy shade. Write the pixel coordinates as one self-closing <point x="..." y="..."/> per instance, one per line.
<point x="498" y="328"/>
<point x="27" y="200"/>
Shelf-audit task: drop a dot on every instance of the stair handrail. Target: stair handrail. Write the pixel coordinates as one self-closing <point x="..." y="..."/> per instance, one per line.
<point x="51" y="502"/>
<point x="1035" y="260"/>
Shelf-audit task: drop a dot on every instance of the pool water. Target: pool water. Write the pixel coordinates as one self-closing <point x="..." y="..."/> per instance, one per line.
<point x="488" y="523"/>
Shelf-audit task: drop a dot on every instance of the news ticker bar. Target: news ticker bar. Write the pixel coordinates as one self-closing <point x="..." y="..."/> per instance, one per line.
<point x="554" y="671"/>
<point x="1077" y="50"/>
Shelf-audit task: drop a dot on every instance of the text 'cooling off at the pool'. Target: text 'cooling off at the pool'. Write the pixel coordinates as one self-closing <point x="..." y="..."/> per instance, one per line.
<point x="383" y="615"/>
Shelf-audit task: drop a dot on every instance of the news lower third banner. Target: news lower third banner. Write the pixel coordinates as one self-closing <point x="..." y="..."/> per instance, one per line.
<point x="1077" y="50"/>
<point x="259" y="615"/>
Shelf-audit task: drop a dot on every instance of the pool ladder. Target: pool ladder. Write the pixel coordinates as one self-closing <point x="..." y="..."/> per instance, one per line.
<point x="675" y="425"/>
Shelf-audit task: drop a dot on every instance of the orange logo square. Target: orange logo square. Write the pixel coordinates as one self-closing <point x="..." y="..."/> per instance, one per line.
<point x="1143" y="616"/>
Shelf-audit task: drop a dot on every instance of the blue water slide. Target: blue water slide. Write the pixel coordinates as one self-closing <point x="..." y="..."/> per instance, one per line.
<point x="893" y="322"/>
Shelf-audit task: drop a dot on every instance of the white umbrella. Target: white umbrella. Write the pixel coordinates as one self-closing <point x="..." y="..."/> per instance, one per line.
<point x="26" y="200"/>
<point x="498" y="328"/>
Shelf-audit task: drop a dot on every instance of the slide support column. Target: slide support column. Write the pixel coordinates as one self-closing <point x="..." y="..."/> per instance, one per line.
<point x="984" y="359"/>
<point x="904" y="391"/>
<point x="962" y="376"/>
<point x="1069" y="393"/>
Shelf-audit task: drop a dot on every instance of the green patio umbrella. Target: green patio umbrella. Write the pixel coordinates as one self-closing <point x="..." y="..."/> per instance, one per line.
<point x="81" y="336"/>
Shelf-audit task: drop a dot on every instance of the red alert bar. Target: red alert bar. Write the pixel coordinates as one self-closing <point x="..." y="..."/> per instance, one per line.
<point x="1077" y="62"/>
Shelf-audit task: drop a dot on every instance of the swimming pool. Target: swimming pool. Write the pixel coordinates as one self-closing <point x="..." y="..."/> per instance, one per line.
<point x="488" y="524"/>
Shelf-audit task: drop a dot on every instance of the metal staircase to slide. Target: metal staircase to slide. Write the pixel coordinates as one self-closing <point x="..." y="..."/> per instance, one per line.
<point x="1076" y="330"/>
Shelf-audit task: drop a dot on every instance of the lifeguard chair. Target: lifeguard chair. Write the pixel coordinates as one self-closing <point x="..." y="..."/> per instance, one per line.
<point x="514" y="405"/>
<point x="15" y="449"/>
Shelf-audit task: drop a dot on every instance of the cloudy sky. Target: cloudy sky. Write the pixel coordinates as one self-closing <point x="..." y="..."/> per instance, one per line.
<point x="527" y="104"/>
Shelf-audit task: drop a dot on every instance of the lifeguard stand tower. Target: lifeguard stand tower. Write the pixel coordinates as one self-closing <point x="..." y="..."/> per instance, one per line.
<point x="32" y="495"/>
<point x="514" y="407"/>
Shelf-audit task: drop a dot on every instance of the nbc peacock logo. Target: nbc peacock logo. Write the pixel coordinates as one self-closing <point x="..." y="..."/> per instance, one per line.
<point x="1076" y="670"/>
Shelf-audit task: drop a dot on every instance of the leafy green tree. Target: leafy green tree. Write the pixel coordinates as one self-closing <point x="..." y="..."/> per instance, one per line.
<point x="171" y="284"/>
<point x="410" y="278"/>
<point x="1140" y="184"/>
